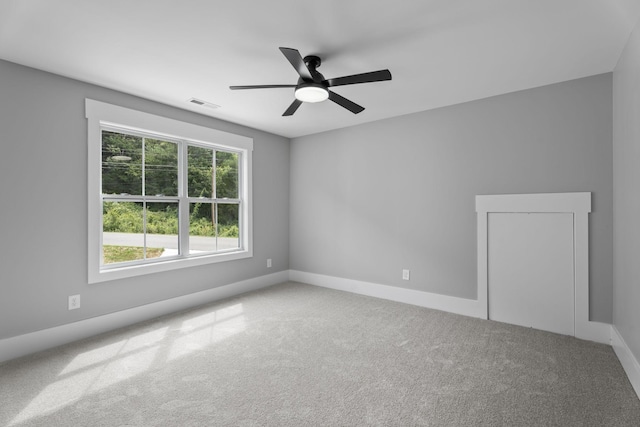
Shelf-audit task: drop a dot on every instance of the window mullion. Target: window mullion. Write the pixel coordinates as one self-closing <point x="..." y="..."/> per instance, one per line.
<point x="214" y="207"/>
<point x="143" y="166"/>
<point x="214" y="190"/>
<point x="183" y="204"/>
<point x="144" y="203"/>
<point x="241" y="196"/>
<point x="214" y="194"/>
<point x="144" y="229"/>
<point x="227" y="201"/>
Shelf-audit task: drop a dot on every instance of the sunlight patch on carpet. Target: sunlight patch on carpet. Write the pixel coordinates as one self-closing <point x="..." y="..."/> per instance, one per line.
<point x="110" y="351"/>
<point x="208" y="329"/>
<point x="74" y="387"/>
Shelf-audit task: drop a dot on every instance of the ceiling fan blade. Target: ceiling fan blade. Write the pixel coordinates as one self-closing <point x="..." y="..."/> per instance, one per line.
<point x="344" y="102"/>
<point x="259" y="87"/>
<point x="373" y="76"/>
<point x="292" y="108"/>
<point x="294" y="57"/>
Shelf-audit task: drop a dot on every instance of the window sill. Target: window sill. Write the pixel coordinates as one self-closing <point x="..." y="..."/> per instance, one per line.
<point x="106" y="275"/>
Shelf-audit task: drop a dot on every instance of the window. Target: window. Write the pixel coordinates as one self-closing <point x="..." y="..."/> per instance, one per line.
<point x="164" y="194"/>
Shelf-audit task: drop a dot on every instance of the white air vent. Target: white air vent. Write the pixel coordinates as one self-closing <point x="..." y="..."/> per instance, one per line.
<point x="204" y="103"/>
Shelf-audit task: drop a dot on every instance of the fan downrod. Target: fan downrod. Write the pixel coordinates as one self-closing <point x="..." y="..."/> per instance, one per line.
<point x="312" y="61"/>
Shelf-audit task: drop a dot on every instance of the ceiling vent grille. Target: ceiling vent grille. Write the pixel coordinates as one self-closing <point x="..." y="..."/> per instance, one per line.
<point x="204" y="103"/>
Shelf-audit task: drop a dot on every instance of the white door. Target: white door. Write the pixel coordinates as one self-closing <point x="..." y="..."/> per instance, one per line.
<point x="531" y="270"/>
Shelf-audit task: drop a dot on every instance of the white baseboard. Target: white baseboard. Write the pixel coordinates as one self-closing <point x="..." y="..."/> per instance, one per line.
<point x="22" y="345"/>
<point x="11" y="348"/>
<point x="627" y="359"/>
<point x="592" y="331"/>
<point x="463" y="306"/>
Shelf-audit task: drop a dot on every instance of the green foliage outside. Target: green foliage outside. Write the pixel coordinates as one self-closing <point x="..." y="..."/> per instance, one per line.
<point x="123" y="163"/>
<point x="114" y="254"/>
<point x="126" y="217"/>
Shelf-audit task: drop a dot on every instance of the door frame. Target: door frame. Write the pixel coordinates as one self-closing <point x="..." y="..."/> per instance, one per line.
<point x="579" y="204"/>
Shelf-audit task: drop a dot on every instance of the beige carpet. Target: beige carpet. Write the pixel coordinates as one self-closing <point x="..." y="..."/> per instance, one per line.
<point x="298" y="355"/>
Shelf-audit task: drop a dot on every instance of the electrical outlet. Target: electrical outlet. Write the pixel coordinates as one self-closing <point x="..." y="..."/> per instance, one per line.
<point x="74" y="302"/>
<point x="269" y="263"/>
<point x="405" y="274"/>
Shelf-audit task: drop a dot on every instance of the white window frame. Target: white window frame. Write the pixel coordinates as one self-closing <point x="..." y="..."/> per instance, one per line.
<point x="99" y="115"/>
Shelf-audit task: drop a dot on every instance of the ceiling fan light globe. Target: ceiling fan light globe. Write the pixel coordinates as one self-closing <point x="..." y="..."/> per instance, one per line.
<point x="311" y="94"/>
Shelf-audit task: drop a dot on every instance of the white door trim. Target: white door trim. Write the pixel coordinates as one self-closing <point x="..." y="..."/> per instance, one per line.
<point x="577" y="203"/>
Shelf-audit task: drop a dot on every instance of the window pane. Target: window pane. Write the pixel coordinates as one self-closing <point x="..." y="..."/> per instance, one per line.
<point x="160" y="168"/>
<point x="121" y="163"/>
<point x="226" y="175"/>
<point x="123" y="236"/>
<point x="162" y="229"/>
<point x="200" y="171"/>
<point x="228" y="227"/>
<point x="202" y="230"/>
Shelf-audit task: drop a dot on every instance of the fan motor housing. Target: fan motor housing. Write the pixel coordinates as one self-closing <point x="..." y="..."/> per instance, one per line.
<point x="312" y="61"/>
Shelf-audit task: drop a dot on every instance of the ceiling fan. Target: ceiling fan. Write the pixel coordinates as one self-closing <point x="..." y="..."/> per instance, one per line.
<point x="313" y="87"/>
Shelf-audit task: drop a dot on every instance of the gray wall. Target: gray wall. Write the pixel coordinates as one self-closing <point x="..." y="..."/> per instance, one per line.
<point x="361" y="202"/>
<point x="370" y="200"/>
<point x="43" y="173"/>
<point x="626" y="195"/>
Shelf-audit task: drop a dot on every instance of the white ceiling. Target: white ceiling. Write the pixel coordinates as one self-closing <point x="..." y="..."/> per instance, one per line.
<point x="440" y="52"/>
